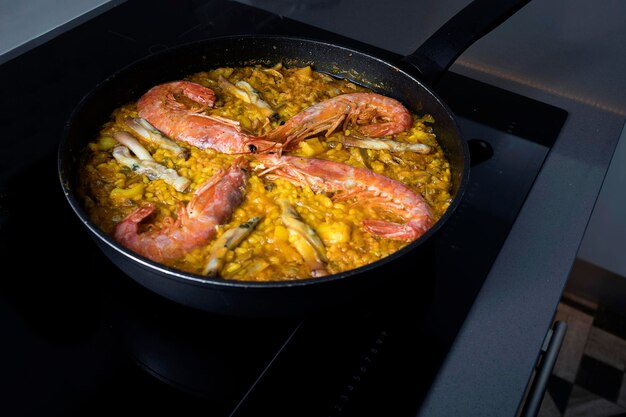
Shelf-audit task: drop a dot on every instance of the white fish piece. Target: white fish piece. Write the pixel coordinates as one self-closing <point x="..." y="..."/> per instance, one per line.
<point x="228" y="241"/>
<point x="133" y="144"/>
<point x="150" y="134"/>
<point x="151" y="169"/>
<point x="245" y="92"/>
<point x="305" y="239"/>
<point x="383" y="144"/>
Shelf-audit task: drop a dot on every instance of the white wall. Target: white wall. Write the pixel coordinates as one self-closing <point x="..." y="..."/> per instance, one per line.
<point x="605" y="239"/>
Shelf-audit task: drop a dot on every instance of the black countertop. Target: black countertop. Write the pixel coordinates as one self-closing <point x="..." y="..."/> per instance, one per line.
<point x="490" y="363"/>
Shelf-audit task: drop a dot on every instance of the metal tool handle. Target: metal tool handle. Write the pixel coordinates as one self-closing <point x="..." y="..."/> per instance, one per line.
<point x="480" y="17"/>
<point x="540" y="382"/>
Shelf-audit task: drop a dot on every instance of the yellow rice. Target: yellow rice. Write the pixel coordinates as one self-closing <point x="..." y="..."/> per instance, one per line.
<point x="110" y="191"/>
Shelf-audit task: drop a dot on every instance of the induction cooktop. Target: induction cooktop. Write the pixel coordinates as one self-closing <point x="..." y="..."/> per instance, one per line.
<point x="82" y="338"/>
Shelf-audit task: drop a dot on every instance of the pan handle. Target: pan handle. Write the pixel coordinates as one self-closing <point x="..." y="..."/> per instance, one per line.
<point x="480" y="17"/>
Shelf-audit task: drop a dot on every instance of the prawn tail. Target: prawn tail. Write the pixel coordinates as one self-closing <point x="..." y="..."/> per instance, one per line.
<point x="127" y="232"/>
<point x="130" y="225"/>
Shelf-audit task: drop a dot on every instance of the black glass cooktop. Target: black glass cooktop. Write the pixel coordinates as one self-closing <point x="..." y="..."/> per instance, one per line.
<point x="81" y="338"/>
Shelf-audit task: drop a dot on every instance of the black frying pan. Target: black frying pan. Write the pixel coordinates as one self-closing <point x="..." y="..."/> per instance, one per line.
<point x="404" y="81"/>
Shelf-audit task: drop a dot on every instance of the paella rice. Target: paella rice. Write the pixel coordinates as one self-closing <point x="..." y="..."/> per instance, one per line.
<point x="271" y="251"/>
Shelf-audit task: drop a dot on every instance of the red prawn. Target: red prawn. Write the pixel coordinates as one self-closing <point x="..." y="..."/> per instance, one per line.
<point x="371" y="114"/>
<point x="212" y="204"/>
<point x="162" y="108"/>
<point x="348" y="181"/>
